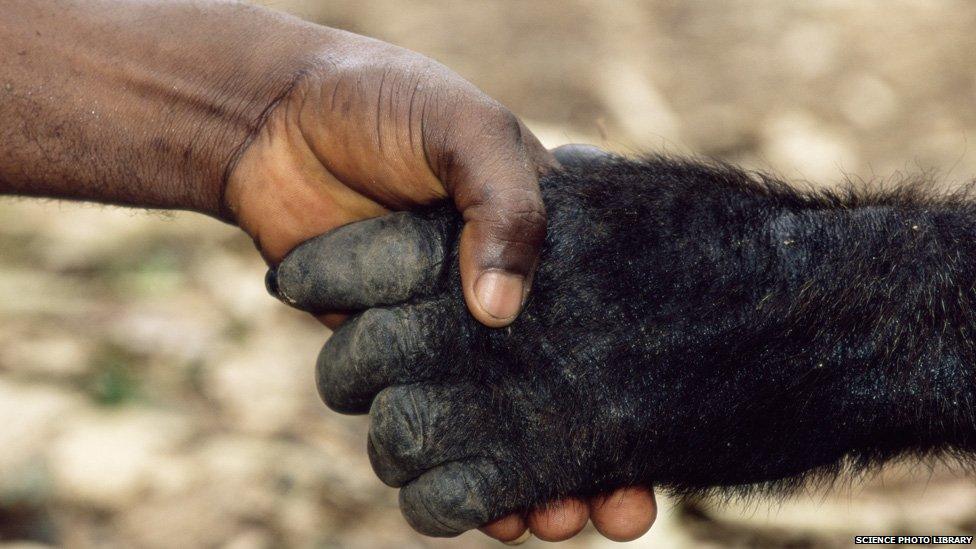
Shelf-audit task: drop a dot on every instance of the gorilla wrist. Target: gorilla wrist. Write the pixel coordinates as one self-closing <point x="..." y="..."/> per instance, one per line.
<point x="690" y="326"/>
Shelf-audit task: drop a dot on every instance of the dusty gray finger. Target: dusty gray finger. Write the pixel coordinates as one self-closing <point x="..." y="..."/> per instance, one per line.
<point x="457" y="497"/>
<point x="414" y="428"/>
<point x="379" y="261"/>
<point x="382" y="347"/>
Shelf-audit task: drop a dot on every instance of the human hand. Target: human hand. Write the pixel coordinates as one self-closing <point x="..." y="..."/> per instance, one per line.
<point x="286" y="128"/>
<point x="372" y="127"/>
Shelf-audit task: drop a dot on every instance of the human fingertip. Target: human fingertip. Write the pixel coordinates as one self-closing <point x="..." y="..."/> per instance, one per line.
<point x="510" y="530"/>
<point x="500" y="294"/>
<point x="559" y="520"/>
<point x="624" y="515"/>
<point x="332" y="320"/>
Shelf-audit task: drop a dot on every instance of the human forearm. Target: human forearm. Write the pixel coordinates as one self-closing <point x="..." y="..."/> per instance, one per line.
<point x="139" y="103"/>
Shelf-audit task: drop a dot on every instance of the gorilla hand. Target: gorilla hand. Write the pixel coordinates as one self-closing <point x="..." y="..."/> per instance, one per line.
<point x="690" y="326"/>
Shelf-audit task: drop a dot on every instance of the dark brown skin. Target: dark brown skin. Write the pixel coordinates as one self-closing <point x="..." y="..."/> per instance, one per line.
<point x="287" y="129"/>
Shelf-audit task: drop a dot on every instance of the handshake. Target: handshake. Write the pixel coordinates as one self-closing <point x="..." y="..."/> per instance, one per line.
<point x="692" y="327"/>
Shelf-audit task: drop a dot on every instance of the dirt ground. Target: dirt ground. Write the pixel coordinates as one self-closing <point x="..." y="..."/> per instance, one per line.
<point x="155" y="396"/>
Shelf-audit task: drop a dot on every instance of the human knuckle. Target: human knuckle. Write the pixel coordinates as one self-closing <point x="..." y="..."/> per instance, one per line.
<point x="523" y="198"/>
<point x="503" y="122"/>
<point x="520" y="228"/>
<point x="510" y="206"/>
<point x="526" y="218"/>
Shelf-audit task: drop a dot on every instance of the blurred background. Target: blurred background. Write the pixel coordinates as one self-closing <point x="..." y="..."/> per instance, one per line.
<point x="154" y="396"/>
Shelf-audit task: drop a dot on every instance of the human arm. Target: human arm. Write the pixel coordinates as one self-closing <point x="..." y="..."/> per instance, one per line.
<point x="135" y="103"/>
<point x="286" y="128"/>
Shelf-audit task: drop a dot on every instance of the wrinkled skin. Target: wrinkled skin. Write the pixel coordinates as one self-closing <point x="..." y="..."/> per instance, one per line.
<point x="690" y="327"/>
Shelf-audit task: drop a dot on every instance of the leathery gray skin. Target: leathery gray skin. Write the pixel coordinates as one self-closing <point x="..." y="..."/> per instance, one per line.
<point x="691" y="326"/>
<point x="386" y="262"/>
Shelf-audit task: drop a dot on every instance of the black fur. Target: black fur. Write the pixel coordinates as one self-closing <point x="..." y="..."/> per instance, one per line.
<point x="691" y="326"/>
